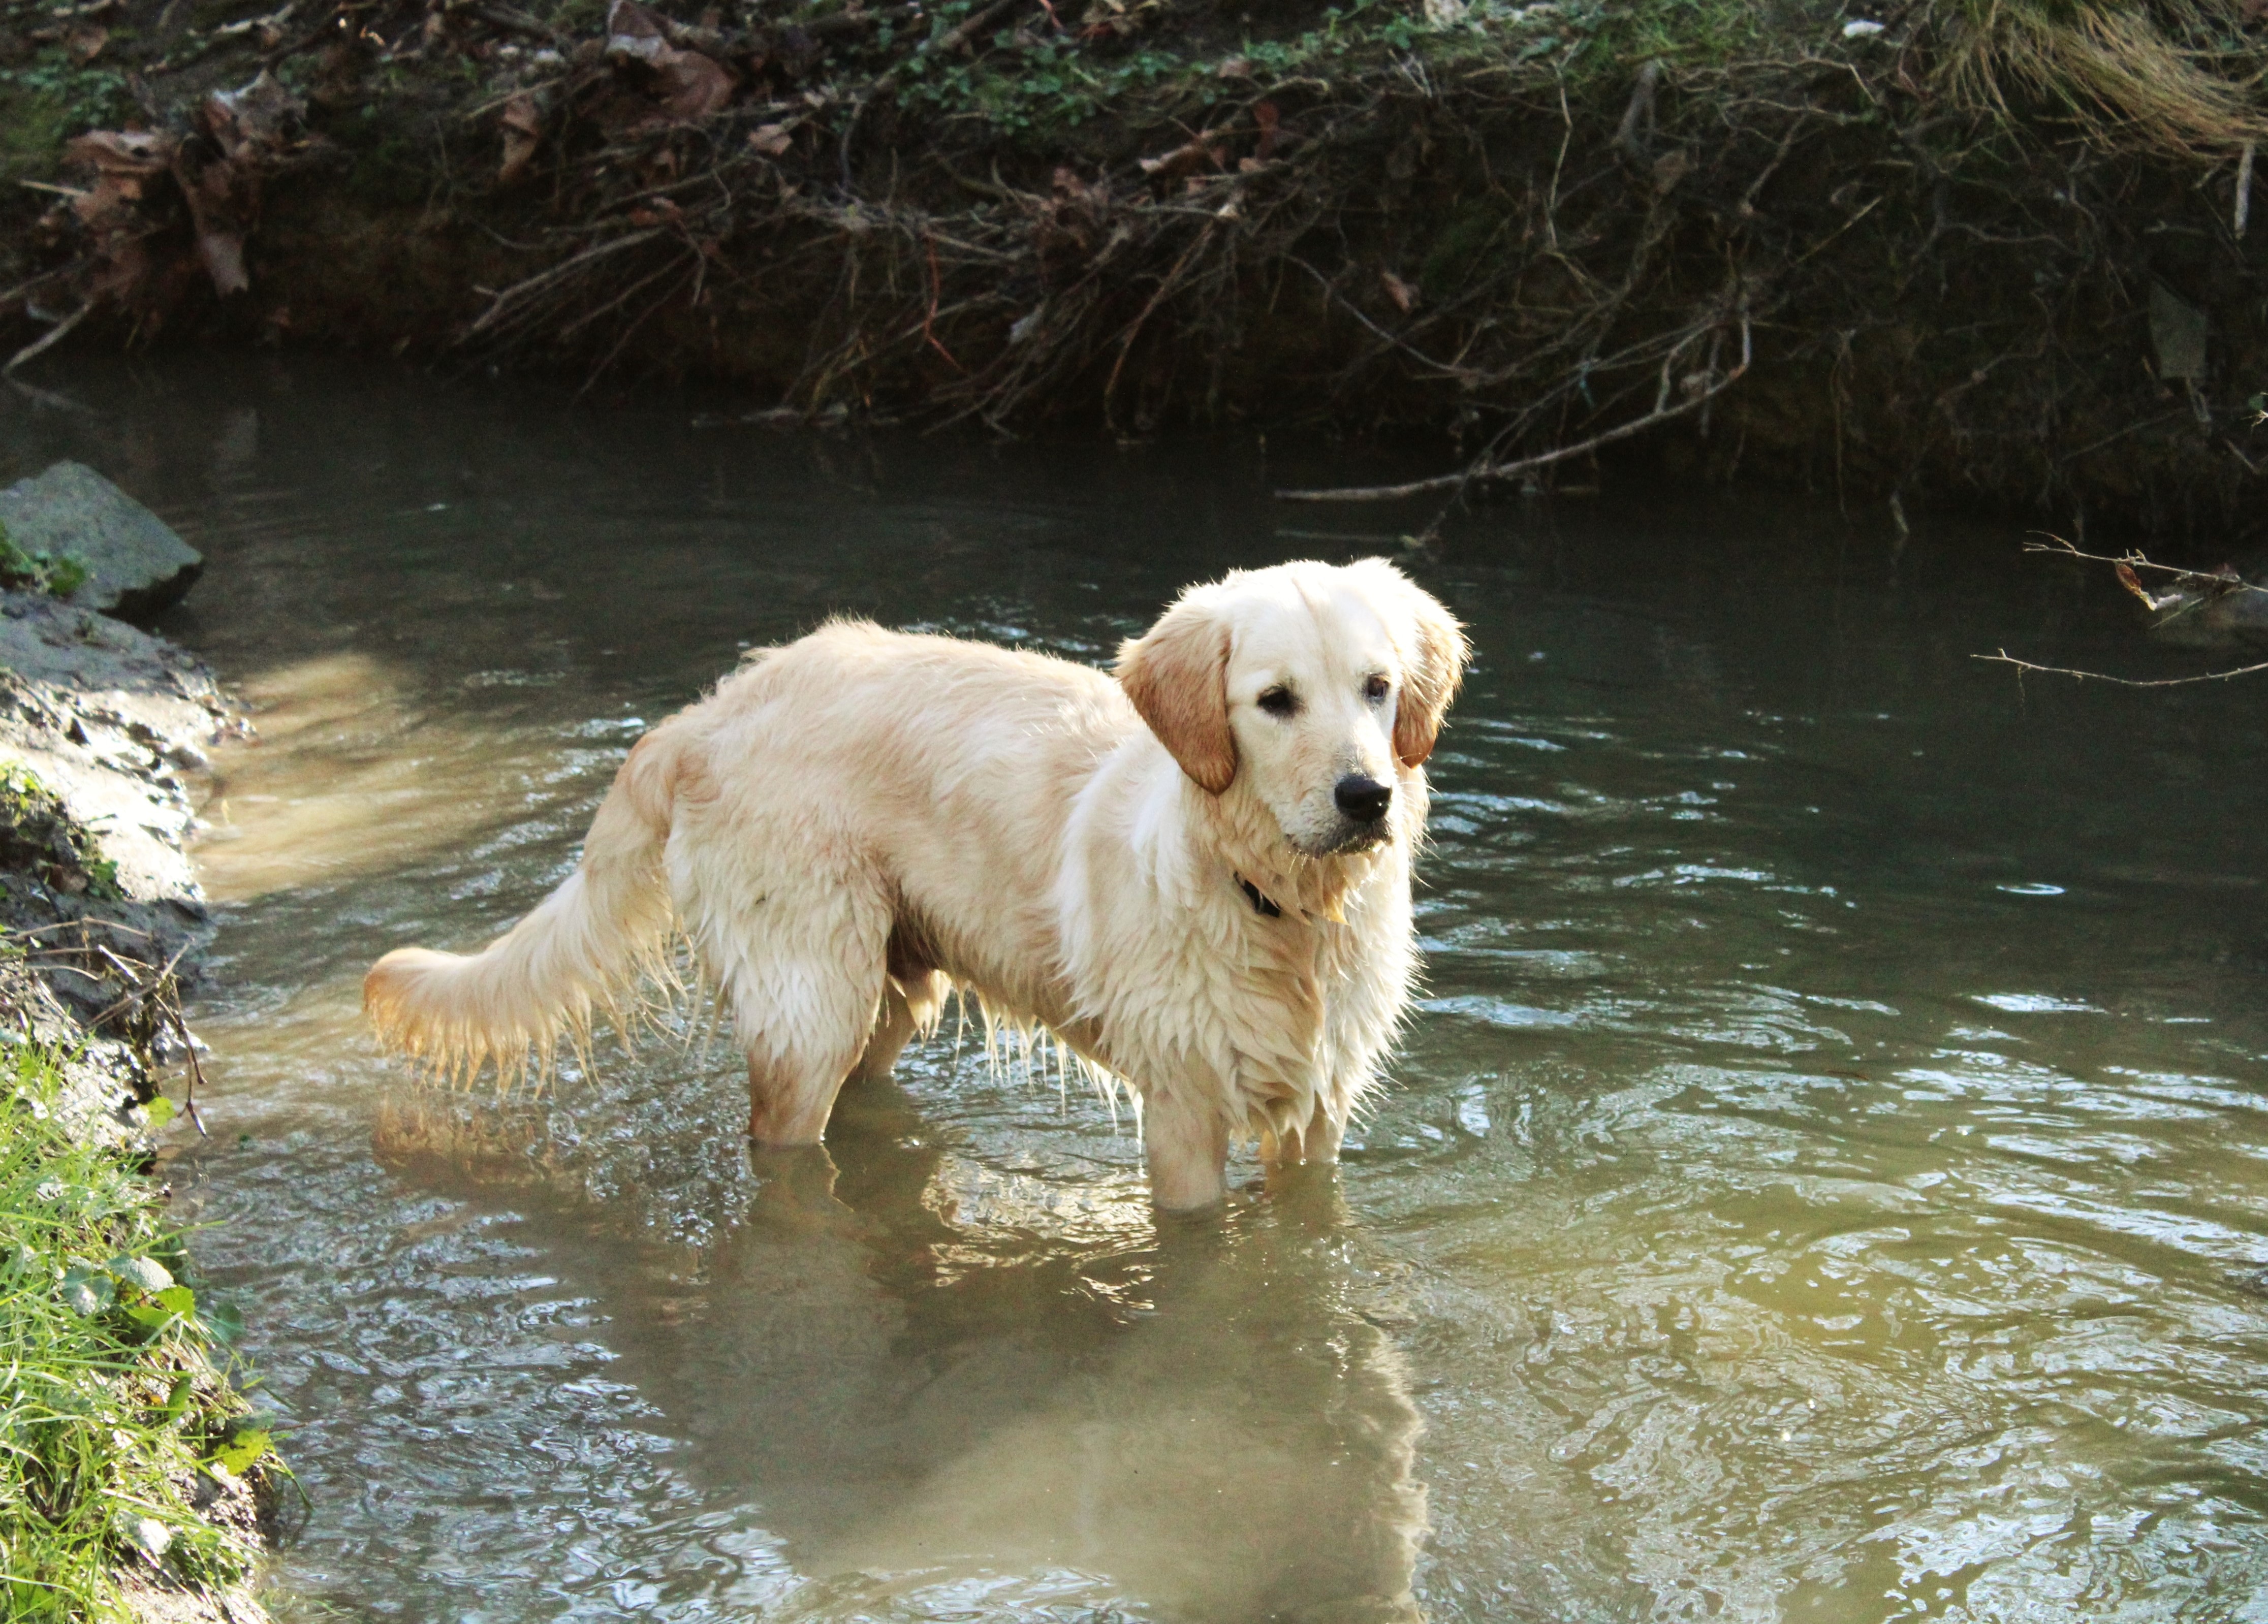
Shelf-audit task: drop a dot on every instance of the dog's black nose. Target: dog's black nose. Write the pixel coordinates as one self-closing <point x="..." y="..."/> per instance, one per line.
<point x="1363" y="799"/>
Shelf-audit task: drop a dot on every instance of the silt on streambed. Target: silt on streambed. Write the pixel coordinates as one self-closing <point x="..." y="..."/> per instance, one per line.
<point x="1823" y="1181"/>
<point x="1955" y="252"/>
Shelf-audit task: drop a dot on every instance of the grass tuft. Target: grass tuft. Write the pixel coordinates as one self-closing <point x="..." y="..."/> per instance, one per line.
<point x="123" y="1455"/>
<point x="2128" y="74"/>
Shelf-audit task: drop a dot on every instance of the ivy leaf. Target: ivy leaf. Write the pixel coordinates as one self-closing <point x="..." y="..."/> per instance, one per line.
<point x="147" y="1273"/>
<point x="87" y="1289"/>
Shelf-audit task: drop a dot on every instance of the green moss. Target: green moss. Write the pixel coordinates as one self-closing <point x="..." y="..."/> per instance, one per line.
<point x="38" y="572"/>
<point x="34" y="125"/>
<point x="40" y="839"/>
<point x="49" y="98"/>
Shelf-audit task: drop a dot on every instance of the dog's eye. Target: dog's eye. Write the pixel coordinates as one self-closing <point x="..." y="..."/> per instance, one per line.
<point x="1376" y="688"/>
<point x="1279" y="702"/>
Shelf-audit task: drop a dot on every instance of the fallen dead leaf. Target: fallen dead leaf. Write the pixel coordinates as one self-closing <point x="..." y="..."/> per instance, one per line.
<point x="1191" y="155"/>
<point x="687" y="86"/>
<point x="693" y="86"/>
<point x="522" y="121"/>
<point x="1403" y="294"/>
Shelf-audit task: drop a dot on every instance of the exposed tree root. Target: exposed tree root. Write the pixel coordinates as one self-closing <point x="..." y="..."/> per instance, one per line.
<point x="1963" y="253"/>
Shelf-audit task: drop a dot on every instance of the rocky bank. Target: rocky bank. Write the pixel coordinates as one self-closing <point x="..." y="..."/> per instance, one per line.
<point x="101" y="727"/>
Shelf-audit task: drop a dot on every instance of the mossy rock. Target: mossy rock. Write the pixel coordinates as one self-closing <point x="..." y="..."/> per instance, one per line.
<point x="71" y="531"/>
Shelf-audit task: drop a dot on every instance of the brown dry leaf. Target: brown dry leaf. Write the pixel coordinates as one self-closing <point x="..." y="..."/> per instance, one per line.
<point x="222" y="200"/>
<point x="523" y="135"/>
<point x="125" y="165"/>
<point x="772" y="140"/>
<point x="1183" y="158"/>
<point x="1403" y="294"/>
<point x="253" y="122"/>
<point x="128" y="166"/>
<point x="686" y="85"/>
<point x="693" y="86"/>
<point x="121" y="152"/>
<point x="220" y="170"/>
<point x="2132" y="582"/>
<point x="1670" y="168"/>
<point x="1234" y="68"/>
<point x="84" y="42"/>
<point x="634" y="33"/>
<point x="1270" y="119"/>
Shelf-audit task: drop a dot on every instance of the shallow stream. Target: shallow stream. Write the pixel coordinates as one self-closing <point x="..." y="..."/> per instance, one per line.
<point x="1826" y="1179"/>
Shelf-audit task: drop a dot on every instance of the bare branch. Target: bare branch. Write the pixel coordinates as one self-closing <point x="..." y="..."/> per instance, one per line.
<point x="1662" y="412"/>
<point x="2136" y="561"/>
<point x="2005" y="658"/>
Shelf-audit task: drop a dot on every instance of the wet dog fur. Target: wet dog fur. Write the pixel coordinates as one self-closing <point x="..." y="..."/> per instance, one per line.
<point x="1195" y="875"/>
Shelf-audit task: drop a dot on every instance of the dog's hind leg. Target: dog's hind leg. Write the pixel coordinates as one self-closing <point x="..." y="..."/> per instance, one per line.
<point x="1317" y="1145"/>
<point x="802" y="969"/>
<point x="910" y="1002"/>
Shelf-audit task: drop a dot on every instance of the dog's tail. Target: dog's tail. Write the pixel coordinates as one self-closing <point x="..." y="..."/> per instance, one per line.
<point x="582" y="947"/>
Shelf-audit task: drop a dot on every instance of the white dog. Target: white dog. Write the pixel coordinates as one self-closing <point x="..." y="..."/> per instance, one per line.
<point x="1196" y="877"/>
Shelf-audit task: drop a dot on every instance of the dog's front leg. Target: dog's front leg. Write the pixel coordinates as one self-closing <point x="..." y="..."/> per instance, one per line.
<point x="1188" y="1149"/>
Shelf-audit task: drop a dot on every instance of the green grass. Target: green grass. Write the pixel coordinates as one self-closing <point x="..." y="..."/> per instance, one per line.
<point x="111" y="1404"/>
<point x="1036" y="83"/>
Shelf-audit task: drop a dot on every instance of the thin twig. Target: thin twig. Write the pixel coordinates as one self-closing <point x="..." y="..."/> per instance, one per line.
<point x="48" y="339"/>
<point x="2062" y="548"/>
<point x="518" y="291"/>
<point x="2005" y="658"/>
<point x="1662" y="412"/>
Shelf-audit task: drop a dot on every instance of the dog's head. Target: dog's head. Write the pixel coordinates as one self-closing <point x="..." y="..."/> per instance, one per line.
<point x="1315" y="687"/>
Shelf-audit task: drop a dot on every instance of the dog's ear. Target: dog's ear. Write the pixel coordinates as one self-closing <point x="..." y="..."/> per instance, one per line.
<point x="1434" y="652"/>
<point x="1435" y="673"/>
<point x="1177" y="676"/>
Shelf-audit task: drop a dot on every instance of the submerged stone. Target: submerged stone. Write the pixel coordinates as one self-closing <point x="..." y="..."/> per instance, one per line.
<point x="135" y="565"/>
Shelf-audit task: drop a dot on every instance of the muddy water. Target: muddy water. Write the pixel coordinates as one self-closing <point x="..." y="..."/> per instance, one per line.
<point x="1825" y="1179"/>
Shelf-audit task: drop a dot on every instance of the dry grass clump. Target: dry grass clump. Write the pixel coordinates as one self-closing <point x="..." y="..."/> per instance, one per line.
<point x="2179" y="79"/>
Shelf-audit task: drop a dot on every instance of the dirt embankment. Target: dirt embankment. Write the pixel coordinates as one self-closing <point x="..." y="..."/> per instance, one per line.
<point x="1948" y="250"/>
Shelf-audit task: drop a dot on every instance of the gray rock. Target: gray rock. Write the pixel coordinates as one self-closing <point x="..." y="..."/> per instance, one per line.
<point x="101" y="714"/>
<point x="136" y="566"/>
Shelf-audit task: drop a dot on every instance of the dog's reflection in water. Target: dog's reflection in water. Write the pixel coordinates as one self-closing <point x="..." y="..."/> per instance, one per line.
<point x="1189" y="1410"/>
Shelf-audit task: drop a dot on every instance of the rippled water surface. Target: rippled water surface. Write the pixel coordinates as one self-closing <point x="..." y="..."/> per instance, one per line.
<point x="1824" y="1182"/>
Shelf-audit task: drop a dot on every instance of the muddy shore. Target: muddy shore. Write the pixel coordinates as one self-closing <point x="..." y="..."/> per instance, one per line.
<point x="1911" y="253"/>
